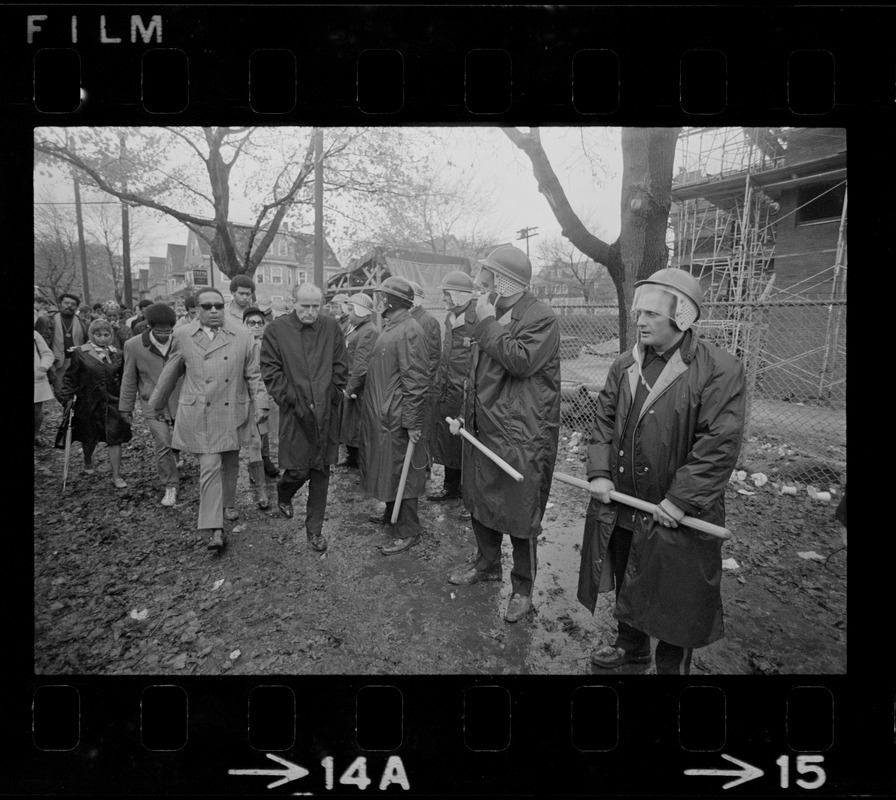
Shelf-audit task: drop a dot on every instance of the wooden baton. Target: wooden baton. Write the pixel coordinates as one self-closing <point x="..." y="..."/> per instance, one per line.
<point x="408" y="455"/>
<point x="497" y="459"/>
<point x="643" y="505"/>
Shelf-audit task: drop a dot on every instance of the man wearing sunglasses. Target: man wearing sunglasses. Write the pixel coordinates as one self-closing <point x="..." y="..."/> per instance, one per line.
<point x="221" y="376"/>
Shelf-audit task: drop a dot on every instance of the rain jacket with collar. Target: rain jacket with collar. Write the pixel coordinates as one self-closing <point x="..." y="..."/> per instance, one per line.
<point x="394" y="403"/>
<point x="686" y="443"/>
<point x="305" y="369"/>
<point x="448" y="387"/>
<point x="143" y="364"/>
<point x="220" y="377"/>
<point x="513" y="408"/>
<point x="359" y="343"/>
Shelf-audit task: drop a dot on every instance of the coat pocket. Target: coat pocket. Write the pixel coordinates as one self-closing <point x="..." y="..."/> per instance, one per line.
<point x="187" y="400"/>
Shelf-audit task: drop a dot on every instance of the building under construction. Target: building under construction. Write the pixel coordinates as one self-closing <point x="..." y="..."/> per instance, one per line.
<point x="759" y="215"/>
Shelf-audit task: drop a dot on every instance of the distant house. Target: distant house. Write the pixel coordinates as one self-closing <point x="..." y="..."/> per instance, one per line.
<point x="288" y="261"/>
<point x="557" y="284"/>
<point x="368" y="271"/>
<point x="156" y="288"/>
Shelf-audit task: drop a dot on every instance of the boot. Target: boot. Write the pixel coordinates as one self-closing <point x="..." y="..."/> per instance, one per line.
<point x="256" y="472"/>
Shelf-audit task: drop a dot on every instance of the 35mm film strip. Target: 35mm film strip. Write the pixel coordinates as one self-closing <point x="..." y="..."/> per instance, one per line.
<point x="595" y="732"/>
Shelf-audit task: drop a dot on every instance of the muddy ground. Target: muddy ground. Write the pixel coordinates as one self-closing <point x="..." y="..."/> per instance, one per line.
<point x="123" y="585"/>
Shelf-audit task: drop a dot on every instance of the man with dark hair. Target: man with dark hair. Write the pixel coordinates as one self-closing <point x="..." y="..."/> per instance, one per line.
<point x="359" y="342"/>
<point x="392" y="413"/>
<point x="668" y="430"/>
<point x="513" y="408"/>
<point x="141" y="325"/>
<point x="190" y="311"/>
<point x="145" y="357"/>
<point x="62" y="332"/>
<point x="138" y="317"/>
<point x="304" y="367"/>
<point x="242" y="288"/>
<point x="220" y="378"/>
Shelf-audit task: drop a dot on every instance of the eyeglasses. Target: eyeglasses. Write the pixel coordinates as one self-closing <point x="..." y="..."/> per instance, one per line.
<point x="255" y="323"/>
<point x="210" y="306"/>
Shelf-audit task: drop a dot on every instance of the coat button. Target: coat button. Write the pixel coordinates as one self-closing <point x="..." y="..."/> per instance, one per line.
<point x="646" y="469"/>
<point x="622" y="469"/>
<point x="208" y="404"/>
<point x="226" y="380"/>
<point x="622" y="453"/>
<point x="226" y="404"/>
<point x="225" y="358"/>
<point x="208" y="380"/>
<point x="651" y="411"/>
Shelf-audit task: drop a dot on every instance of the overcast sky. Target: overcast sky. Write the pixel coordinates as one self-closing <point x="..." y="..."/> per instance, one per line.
<point x="587" y="162"/>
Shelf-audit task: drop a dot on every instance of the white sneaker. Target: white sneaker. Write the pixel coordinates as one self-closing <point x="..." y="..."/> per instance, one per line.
<point x="170" y="497"/>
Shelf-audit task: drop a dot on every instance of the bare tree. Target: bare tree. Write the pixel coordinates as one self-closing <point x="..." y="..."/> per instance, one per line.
<point x="103" y="224"/>
<point x="647" y="159"/>
<point x="56" y="267"/>
<point x="565" y="265"/>
<point x="188" y="174"/>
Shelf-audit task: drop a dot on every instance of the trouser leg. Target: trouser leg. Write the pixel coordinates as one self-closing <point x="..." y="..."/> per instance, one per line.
<point x="318" y="486"/>
<point x="289" y="483"/>
<point x="672" y="659"/>
<point x="522" y="576"/>
<point x="211" y="506"/>
<point x="351" y="455"/>
<point x="408" y="522"/>
<point x="618" y="548"/>
<point x="38" y="418"/>
<point x="265" y="445"/>
<point x="230" y="467"/>
<point x="489" y="543"/>
<point x="166" y="461"/>
<point x="88" y="448"/>
<point x="452" y="480"/>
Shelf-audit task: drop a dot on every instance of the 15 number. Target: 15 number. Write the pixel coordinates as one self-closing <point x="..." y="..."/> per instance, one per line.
<point x="805" y="765"/>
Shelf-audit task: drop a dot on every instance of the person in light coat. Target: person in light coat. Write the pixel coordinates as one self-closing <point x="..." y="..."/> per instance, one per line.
<point x="221" y="377"/>
<point x="43" y="360"/>
<point x="145" y="356"/>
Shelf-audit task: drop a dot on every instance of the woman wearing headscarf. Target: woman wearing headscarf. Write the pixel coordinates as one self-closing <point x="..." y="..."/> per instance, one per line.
<point x="94" y="378"/>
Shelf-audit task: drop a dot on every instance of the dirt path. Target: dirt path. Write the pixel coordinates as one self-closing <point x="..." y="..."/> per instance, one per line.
<point x="126" y="586"/>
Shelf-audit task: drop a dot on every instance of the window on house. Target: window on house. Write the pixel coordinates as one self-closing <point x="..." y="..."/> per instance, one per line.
<point x="301" y="276"/>
<point x="276" y="274"/>
<point x="259" y="276"/>
<point x="289" y="276"/>
<point x="820" y="202"/>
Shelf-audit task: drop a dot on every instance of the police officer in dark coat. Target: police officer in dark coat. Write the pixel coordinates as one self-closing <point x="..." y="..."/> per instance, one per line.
<point x="668" y="430"/>
<point x="304" y="367"/>
<point x="433" y="338"/>
<point x="392" y="413"/>
<point x="359" y="342"/>
<point x="448" y="387"/>
<point x="513" y="408"/>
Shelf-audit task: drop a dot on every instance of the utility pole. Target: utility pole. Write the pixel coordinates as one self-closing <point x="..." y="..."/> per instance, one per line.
<point x="125" y="228"/>
<point x="319" y="207"/>
<point x="526" y="233"/>
<point x="82" y="248"/>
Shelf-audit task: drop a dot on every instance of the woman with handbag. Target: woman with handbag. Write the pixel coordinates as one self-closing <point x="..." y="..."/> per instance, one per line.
<point x="43" y="362"/>
<point x="94" y="378"/>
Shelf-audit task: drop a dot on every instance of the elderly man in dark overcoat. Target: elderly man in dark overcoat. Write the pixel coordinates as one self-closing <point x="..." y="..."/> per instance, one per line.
<point x="304" y="367"/>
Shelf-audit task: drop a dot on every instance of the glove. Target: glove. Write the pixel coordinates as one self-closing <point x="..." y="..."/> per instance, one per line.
<point x="601" y="488"/>
<point x="414" y="435"/>
<point x="454" y="426"/>
<point x="127" y="416"/>
<point x="484" y="307"/>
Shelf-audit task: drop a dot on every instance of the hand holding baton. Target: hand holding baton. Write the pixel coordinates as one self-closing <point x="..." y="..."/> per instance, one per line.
<point x="476" y="443"/>
<point x="643" y="505"/>
<point x="408" y="455"/>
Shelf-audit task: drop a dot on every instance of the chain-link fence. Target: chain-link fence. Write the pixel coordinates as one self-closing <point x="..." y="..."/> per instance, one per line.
<point x="794" y="354"/>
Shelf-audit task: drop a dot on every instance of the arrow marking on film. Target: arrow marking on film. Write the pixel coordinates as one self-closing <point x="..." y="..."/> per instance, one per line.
<point x="747" y="772"/>
<point x="292" y="772"/>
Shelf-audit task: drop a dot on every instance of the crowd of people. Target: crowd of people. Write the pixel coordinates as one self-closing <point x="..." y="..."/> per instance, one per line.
<point x="394" y="386"/>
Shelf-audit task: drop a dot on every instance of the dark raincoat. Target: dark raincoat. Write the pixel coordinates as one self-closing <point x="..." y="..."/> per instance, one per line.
<point x="98" y="387"/>
<point x="432" y="335"/>
<point x="359" y="348"/>
<point x="513" y="408"/>
<point x="687" y="442"/>
<point x="304" y="368"/>
<point x="394" y="403"/>
<point x="448" y="388"/>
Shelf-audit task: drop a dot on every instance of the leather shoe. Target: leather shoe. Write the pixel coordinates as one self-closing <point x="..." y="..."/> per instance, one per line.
<point x="231" y="514"/>
<point x="269" y="469"/>
<point x="465" y="516"/>
<point x="317" y="542"/>
<point x="285" y="509"/>
<point x="471" y="575"/>
<point x="349" y="463"/>
<point x="608" y="656"/>
<point x="217" y="540"/>
<point x="445" y="494"/>
<point x="400" y="545"/>
<point x="517" y="608"/>
<point x="379" y="519"/>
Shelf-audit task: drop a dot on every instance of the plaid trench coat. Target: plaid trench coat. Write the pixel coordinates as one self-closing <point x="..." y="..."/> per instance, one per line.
<point x="221" y="376"/>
